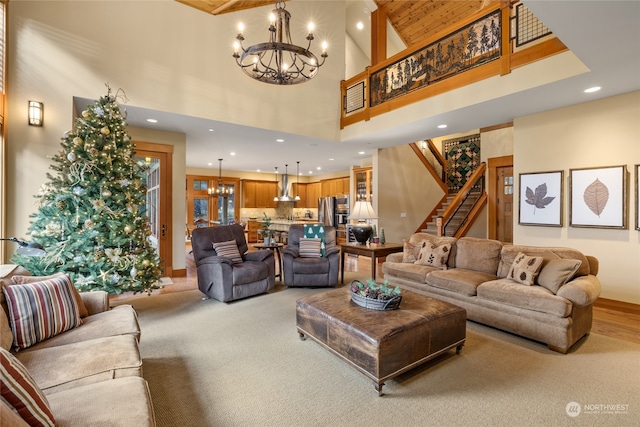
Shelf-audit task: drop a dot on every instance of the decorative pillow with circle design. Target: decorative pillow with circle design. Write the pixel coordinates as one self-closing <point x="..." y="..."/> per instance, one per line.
<point x="434" y="256"/>
<point x="525" y="269"/>
<point x="20" y="392"/>
<point x="228" y="249"/>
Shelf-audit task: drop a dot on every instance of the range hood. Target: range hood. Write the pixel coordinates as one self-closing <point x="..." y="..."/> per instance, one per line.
<point x="284" y="192"/>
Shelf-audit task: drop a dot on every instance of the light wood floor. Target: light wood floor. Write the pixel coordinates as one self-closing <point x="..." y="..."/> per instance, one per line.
<point x="611" y="318"/>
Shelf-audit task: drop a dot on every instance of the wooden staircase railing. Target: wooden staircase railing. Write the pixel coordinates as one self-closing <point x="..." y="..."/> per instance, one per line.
<point x="439" y="177"/>
<point x="476" y="178"/>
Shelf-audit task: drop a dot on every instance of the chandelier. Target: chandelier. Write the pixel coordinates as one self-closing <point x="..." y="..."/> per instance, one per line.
<point x="279" y="61"/>
<point x="221" y="190"/>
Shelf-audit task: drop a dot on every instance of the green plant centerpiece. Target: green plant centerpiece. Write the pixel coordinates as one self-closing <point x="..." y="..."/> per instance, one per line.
<point x="376" y="296"/>
<point x="265" y="229"/>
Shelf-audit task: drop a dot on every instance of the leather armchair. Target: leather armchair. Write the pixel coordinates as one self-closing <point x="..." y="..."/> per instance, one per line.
<point x="310" y="272"/>
<point x="219" y="277"/>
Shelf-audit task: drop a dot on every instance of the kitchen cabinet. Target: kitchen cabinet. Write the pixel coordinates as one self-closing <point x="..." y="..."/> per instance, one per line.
<point x="313" y="194"/>
<point x="259" y="194"/>
<point x="300" y="190"/>
<point x="335" y="187"/>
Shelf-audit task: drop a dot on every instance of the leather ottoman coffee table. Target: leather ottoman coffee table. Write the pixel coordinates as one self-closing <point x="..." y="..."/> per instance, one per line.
<point x="381" y="344"/>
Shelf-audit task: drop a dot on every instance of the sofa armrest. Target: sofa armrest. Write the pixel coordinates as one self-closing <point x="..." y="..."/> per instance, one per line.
<point x="215" y="260"/>
<point x="291" y="252"/>
<point x="9" y="417"/>
<point x="260" y="255"/>
<point x="395" y="257"/>
<point x="331" y="251"/>
<point x="581" y="291"/>
<point x="95" y="301"/>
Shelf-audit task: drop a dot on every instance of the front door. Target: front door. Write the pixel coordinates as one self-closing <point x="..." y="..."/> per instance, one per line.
<point x="158" y="208"/>
<point x="501" y="198"/>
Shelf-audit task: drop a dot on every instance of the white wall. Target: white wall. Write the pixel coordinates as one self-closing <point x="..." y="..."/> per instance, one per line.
<point x="165" y="56"/>
<point x="593" y="134"/>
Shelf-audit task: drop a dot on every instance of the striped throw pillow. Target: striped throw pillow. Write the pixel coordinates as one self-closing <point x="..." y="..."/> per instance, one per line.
<point x="21" y="280"/>
<point x="310" y="247"/>
<point x="228" y="249"/>
<point x="22" y="393"/>
<point x="41" y="310"/>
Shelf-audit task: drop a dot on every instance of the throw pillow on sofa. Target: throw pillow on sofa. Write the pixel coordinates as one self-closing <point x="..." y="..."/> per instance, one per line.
<point x="525" y="269"/>
<point x="310" y="247"/>
<point x="557" y="272"/>
<point x="21" y="280"/>
<point x="228" y="249"/>
<point x="20" y="391"/>
<point x="411" y="251"/>
<point x="434" y="256"/>
<point x="41" y="310"/>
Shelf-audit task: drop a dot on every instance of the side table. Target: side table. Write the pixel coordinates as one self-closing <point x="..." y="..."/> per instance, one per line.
<point x="277" y="250"/>
<point x="371" y="250"/>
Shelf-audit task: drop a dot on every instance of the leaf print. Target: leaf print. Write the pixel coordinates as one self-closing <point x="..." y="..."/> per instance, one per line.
<point x="596" y="196"/>
<point x="538" y="198"/>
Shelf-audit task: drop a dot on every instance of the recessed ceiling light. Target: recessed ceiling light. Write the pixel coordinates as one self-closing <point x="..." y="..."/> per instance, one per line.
<point x="332" y="159"/>
<point x="152" y="120"/>
<point x="279" y="140"/>
<point x="592" y="89"/>
<point x="442" y="126"/>
<point x="310" y="172"/>
<point x="232" y="153"/>
<point x="360" y="152"/>
<point x="318" y="168"/>
<point x="258" y="170"/>
<point x="211" y="130"/>
<point x="209" y="164"/>
<point x="360" y="25"/>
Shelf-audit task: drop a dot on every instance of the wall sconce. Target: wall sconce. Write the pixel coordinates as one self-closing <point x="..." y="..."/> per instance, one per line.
<point x="36" y="113"/>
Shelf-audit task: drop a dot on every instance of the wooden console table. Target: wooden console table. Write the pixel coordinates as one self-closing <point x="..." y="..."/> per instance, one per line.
<point x="371" y="250"/>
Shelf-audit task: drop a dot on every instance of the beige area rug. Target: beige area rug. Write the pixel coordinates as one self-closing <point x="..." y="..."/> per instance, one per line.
<point x="242" y="364"/>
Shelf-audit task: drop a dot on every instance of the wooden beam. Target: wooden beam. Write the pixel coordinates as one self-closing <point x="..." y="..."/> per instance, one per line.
<point x="378" y="36"/>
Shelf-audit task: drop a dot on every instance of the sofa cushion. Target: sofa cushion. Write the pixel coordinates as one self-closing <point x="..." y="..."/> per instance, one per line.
<point x="120" y="320"/>
<point x="557" y="272"/>
<point x="478" y="254"/>
<point x="310" y="247"/>
<point x="120" y="402"/>
<point x="537" y="298"/>
<point x="420" y="238"/>
<point x="411" y="251"/>
<point x="20" y="391"/>
<point x="41" y="310"/>
<point x="228" y="249"/>
<point x="458" y="280"/>
<point x="249" y="272"/>
<point x="21" y="280"/>
<point x="72" y="365"/>
<point x="524" y="269"/>
<point x="434" y="255"/>
<point x="6" y="335"/>
<point x="413" y="272"/>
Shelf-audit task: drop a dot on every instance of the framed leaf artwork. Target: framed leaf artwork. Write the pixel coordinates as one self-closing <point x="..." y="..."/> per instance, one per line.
<point x="637" y="167"/>
<point x="598" y="197"/>
<point x="541" y="197"/>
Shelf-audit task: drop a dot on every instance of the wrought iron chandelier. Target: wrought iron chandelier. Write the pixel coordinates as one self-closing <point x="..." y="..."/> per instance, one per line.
<point x="221" y="190"/>
<point x="279" y="61"/>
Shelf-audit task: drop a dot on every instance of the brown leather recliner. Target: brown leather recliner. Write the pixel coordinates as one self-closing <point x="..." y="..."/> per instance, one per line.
<point x="219" y="277"/>
<point x="310" y="272"/>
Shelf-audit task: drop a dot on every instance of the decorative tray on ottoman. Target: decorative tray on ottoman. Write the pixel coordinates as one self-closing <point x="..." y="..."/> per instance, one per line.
<point x="375" y="296"/>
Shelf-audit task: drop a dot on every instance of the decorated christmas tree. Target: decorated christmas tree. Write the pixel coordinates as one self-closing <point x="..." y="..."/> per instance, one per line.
<point x="91" y="216"/>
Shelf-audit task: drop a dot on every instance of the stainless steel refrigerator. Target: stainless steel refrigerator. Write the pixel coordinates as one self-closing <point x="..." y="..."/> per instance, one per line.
<point x="326" y="210"/>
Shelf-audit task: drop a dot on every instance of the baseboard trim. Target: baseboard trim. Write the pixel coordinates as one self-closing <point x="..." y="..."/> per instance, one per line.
<point x="181" y="272"/>
<point x="625" y="307"/>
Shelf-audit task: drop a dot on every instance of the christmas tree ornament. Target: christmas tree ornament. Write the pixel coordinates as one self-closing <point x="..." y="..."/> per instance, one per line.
<point x="134" y="272"/>
<point x="77" y="141"/>
<point x="106" y="193"/>
<point x="128" y="229"/>
<point x="105" y="131"/>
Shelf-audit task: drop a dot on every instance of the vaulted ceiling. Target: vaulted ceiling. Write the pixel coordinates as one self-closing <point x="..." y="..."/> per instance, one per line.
<point x="413" y="20"/>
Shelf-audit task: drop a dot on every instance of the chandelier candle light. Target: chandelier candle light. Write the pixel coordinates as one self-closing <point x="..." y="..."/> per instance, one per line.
<point x="221" y="190"/>
<point x="279" y="61"/>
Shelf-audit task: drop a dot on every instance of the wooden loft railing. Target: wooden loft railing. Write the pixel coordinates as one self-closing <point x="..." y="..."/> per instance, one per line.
<point x="475" y="182"/>
<point x="515" y="51"/>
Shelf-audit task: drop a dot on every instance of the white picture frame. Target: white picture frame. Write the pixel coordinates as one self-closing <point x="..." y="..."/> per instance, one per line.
<point x="541" y="199"/>
<point x="598" y="197"/>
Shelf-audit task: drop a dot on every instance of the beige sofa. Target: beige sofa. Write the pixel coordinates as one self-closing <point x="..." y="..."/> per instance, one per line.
<point x="91" y="374"/>
<point x="475" y="277"/>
